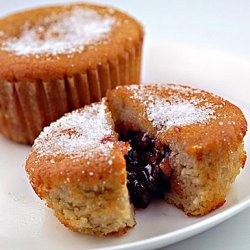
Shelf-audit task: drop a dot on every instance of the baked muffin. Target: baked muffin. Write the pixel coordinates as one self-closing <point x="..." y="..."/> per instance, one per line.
<point x="201" y="135"/>
<point x="176" y="143"/>
<point x="59" y="58"/>
<point x="77" y="166"/>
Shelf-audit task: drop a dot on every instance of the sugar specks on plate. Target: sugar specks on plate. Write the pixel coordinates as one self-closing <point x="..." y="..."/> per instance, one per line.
<point x="67" y="32"/>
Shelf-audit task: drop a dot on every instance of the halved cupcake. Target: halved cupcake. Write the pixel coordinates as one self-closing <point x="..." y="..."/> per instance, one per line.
<point x="166" y="141"/>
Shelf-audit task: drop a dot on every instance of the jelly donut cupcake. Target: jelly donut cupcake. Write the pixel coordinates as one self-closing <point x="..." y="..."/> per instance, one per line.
<point x="143" y="142"/>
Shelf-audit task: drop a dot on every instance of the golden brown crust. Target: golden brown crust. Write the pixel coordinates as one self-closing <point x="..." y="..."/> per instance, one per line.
<point x="123" y="37"/>
<point x="87" y="167"/>
<point x="92" y="171"/>
<point x="36" y="89"/>
<point x="214" y="138"/>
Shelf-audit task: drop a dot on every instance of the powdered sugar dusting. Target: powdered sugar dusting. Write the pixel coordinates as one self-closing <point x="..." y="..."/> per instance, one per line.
<point x="181" y="107"/>
<point x="67" y="32"/>
<point x="165" y="115"/>
<point x="81" y="133"/>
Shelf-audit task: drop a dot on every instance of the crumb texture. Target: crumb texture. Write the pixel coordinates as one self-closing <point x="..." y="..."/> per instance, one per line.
<point x="200" y="187"/>
<point x="89" y="211"/>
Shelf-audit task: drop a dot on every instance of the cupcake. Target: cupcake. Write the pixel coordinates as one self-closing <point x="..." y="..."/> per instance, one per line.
<point x="144" y="142"/>
<point x="57" y="59"/>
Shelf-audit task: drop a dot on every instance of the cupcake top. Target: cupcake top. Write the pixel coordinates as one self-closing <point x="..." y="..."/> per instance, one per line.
<point x="63" y="40"/>
<point x="82" y="144"/>
<point x="66" y="32"/>
<point x="85" y="132"/>
<point x="177" y="113"/>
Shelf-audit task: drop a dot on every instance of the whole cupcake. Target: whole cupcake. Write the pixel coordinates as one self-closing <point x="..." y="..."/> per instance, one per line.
<point x="56" y="59"/>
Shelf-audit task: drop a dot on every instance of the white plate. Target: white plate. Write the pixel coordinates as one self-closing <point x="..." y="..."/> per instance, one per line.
<point x="25" y="221"/>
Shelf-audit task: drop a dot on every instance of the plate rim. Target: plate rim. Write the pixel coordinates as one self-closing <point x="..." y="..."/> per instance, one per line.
<point x="183" y="233"/>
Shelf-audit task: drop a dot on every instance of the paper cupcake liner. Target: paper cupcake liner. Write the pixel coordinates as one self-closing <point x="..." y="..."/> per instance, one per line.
<point x="26" y="107"/>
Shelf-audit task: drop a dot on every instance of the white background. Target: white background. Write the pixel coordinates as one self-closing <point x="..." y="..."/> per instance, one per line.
<point x="215" y="25"/>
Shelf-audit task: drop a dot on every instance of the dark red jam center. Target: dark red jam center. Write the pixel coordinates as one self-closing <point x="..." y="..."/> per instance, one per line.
<point x="147" y="168"/>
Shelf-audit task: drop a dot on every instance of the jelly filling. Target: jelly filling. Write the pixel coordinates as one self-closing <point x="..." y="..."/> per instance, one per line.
<point x="148" y="169"/>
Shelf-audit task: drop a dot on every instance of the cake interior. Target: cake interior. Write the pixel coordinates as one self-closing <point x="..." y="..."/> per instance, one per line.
<point x="148" y="168"/>
<point x="152" y="175"/>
